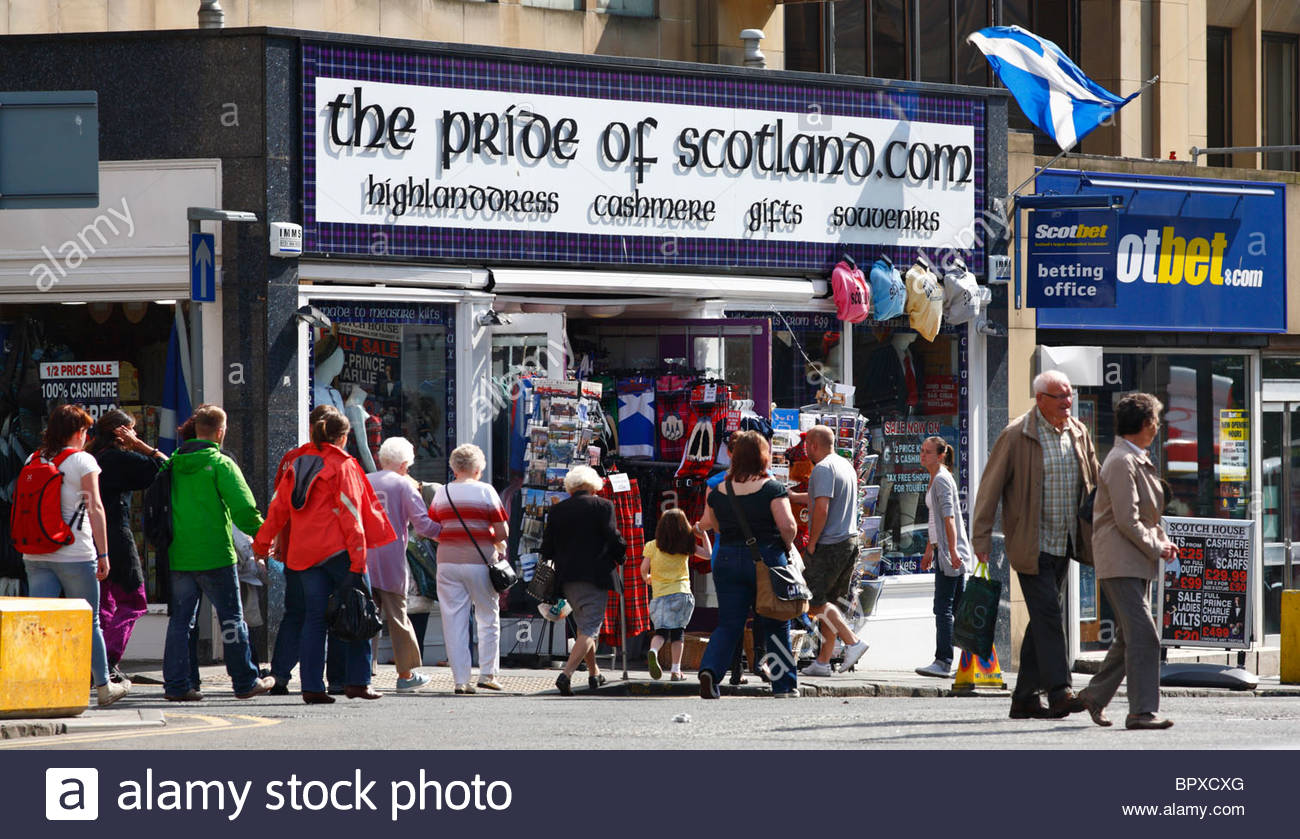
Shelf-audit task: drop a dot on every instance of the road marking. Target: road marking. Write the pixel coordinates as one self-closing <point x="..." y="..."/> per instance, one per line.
<point x="201" y="723"/>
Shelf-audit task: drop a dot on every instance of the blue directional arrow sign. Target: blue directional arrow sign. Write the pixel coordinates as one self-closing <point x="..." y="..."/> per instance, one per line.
<point x="203" y="267"/>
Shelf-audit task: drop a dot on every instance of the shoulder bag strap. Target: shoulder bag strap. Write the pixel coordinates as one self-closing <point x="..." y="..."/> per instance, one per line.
<point x="447" y="491"/>
<point x="79" y="516"/>
<point x="750" y="541"/>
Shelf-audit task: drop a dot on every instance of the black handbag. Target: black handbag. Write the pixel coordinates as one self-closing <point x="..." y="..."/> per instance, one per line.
<point x="976" y="621"/>
<point x="501" y="572"/>
<point x="782" y="593"/>
<point x="542" y="586"/>
<point x="351" y="613"/>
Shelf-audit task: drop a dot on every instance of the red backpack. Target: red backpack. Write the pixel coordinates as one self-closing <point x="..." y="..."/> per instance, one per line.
<point x="36" y="523"/>
<point x="852" y="294"/>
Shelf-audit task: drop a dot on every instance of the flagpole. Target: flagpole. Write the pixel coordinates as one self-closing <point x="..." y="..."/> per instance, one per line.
<point x="1011" y="195"/>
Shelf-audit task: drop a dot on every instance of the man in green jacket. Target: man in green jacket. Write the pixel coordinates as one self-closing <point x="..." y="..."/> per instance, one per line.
<point x="208" y="493"/>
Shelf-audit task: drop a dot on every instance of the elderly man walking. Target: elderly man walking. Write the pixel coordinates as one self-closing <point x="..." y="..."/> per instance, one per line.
<point x="1042" y="466"/>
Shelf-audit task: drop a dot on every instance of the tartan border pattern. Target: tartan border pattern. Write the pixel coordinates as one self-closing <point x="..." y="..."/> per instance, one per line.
<point x="620" y="84"/>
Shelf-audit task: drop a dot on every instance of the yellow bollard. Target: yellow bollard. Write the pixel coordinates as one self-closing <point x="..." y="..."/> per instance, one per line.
<point x="44" y="657"/>
<point x="1291" y="637"/>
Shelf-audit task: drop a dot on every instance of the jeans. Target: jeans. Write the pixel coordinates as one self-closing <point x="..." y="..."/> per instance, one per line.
<point x="73" y="580"/>
<point x="318" y="583"/>
<point x="119" y="609"/>
<point x="221" y="587"/>
<point x="289" y="637"/>
<point x="733" y="576"/>
<point x="947" y="596"/>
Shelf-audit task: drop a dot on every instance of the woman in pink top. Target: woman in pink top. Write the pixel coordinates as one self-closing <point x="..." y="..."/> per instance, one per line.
<point x="389" y="576"/>
<point x="474" y="531"/>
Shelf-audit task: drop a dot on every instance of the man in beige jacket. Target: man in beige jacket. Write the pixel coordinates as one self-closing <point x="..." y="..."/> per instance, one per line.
<point x="1041" y="467"/>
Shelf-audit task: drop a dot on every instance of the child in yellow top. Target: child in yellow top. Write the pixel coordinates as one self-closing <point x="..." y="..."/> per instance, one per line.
<point x="665" y="567"/>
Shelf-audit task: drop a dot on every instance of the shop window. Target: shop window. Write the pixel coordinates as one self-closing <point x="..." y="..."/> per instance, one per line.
<point x="631" y="8"/>
<point x="392" y="370"/>
<point x="910" y="389"/>
<point x="1218" y="92"/>
<point x="1281" y="106"/>
<point x="806" y="352"/>
<point x="1207" y="474"/>
<point x="129" y="340"/>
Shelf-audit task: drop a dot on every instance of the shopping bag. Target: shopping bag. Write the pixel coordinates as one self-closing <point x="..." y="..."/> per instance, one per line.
<point x="975" y="672"/>
<point x="976" y="620"/>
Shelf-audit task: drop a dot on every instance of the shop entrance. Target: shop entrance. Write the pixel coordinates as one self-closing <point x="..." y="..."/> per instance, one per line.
<point x="1280" y="524"/>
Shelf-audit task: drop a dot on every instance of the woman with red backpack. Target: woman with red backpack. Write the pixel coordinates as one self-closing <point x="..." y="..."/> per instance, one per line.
<point x="73" y="559"/>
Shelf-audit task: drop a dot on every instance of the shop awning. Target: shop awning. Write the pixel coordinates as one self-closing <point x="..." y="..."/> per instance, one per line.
<point x="362" y="273"/>
<point x="628" y="283"/>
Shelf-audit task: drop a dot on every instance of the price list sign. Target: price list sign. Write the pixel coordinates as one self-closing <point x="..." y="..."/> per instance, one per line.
<point x="1205" y="593"/>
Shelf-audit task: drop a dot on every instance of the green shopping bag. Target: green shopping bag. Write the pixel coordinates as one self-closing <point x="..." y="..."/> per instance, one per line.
<point x="976" y="621"/>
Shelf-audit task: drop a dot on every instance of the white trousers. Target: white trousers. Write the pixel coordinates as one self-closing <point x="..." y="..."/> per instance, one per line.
<point x="459" y="587"/>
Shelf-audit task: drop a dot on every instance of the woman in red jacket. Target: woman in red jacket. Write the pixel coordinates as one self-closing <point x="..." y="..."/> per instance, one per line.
<point x="323" y="496"/>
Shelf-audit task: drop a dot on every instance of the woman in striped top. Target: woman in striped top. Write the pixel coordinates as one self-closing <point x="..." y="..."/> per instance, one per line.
<point x="473" y="532"/>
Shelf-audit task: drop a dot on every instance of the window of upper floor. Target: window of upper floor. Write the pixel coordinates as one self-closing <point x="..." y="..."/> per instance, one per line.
<point x="1279" y="66"/>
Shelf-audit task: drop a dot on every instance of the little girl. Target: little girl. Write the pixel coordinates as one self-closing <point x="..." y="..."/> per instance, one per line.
<point x="664" y="567"/>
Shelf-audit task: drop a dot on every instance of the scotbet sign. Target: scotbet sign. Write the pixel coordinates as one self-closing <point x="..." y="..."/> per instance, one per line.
<point x="1184" y="254"/>
<point x="1071" y="258"/>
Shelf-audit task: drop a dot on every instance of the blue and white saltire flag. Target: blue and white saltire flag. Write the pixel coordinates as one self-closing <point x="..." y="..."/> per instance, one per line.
<point x="1052" y="91"/>
<point x="176" y="389"/>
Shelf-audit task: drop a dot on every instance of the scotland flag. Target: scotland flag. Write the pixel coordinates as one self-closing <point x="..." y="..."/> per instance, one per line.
<point x="1053" y="92"/>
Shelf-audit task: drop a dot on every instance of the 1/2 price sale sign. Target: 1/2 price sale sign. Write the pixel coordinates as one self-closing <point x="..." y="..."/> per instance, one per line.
<point x="1205" y="595"/>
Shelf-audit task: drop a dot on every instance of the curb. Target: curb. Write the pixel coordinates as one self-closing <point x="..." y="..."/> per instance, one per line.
<point x="96" y="721"/>
<point x="24" y="728"/>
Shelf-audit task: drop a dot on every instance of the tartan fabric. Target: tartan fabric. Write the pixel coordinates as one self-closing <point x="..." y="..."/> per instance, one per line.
<point x="636" y="595"/>
<point x="1060" y="487"/>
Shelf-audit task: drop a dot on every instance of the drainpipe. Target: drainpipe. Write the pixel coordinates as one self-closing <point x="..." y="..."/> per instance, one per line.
<point x="753" y="55"/>
<point x="211" y="15"/>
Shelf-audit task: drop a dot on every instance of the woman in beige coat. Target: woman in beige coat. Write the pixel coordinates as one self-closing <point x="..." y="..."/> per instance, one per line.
<point x="1128" y="545"/>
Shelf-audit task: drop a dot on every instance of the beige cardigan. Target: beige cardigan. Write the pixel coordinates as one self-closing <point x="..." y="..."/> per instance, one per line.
<point x="1126" y="531"/>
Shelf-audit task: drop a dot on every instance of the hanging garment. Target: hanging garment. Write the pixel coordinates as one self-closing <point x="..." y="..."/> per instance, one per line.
<point x="888" y="294"/>
<point x="636" y="417"/>
<point x="962" y="297"/>
<point x="851" y="291"/>
<point x="702" y="444"/>
<point x="636" y="595"/>
<point x="673" y="410"/>
<point x="924" y="299"/>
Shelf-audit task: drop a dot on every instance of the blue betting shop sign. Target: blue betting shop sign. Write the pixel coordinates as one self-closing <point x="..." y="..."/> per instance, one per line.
<point x="1184" y="254"/>
<point x="1071" y="258"/>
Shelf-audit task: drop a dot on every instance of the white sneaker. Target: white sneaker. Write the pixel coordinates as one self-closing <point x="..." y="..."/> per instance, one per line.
<point x="852" y="653"/>
<point x="110" y="692"/>
<point x="816" y="668"/>
<point x="936" y="668"/>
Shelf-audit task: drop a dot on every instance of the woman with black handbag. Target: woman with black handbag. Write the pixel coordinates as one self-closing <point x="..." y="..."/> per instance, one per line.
<point x="335" y="517"/>
<point x="583" y="540"/>
<point x="471" y="541"/>
<point x="752" y="516"/>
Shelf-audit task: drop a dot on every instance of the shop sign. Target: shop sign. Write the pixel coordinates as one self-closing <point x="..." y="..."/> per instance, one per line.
<point x="1188" y="254"/>
<point x="1205" y="592"/>
<point x="1070" y="261"/>
<point x="681" y="169"/>
<point x="91" y="384"/>
<point x="1234" y="444"/>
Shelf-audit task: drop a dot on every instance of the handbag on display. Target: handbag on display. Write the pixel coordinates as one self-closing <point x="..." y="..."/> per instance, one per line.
<point x="782" y="593"/>
<point x="976" y="621"/>
<point x="888" y="295"/>
<point x="351" y="613"/>
<point x="500" y="571"/>
<point x="542" y="586"/>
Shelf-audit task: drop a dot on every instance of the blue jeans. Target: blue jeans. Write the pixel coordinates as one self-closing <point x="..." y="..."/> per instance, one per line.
<point x="221" y="587"/>
<point x="73" y="580"/>
<point x="318" y="583"/>
<point x="288" y="641"/>
<point x="947" y="596"/>
<point x="733" y="577"/>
